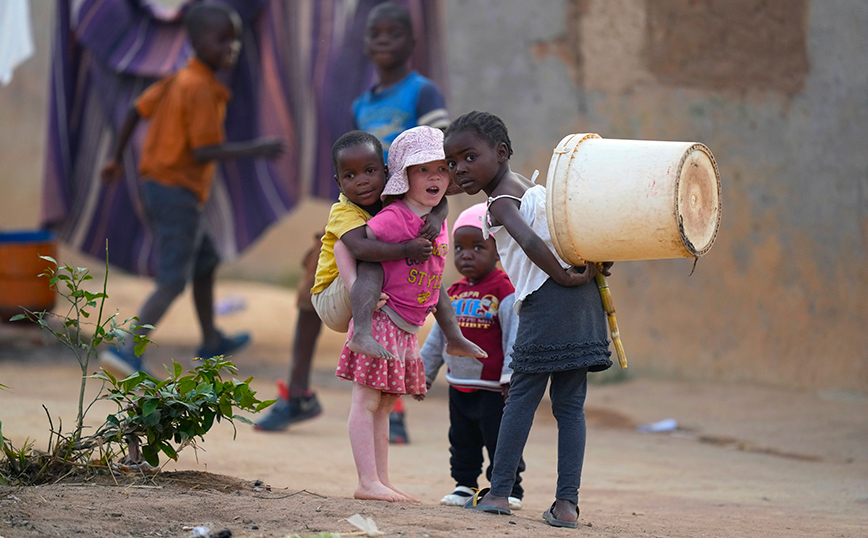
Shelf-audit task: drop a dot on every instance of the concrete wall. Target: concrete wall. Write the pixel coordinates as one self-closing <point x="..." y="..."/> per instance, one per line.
<point x="777" y="91"/>
<point x="775" y="88"/>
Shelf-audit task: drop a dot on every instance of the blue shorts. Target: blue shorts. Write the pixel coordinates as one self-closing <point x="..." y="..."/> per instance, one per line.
<point x="185" y="249"/>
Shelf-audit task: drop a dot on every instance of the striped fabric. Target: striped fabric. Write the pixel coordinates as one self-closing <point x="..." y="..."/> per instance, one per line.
<point x="301" y="65"/>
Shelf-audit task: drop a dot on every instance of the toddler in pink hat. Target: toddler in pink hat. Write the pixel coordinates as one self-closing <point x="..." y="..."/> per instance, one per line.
<point x="419" y="179"/>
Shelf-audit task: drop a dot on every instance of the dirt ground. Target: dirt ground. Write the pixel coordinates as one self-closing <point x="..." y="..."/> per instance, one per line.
<point x="745" y="461"/>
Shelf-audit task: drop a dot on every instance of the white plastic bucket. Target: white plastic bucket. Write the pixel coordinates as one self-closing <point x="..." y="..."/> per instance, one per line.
<point x="615" y="200"/>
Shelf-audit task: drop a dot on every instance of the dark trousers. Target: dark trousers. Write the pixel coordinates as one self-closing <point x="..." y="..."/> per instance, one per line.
<point x="474" y="423"/>
<point x="568" y="391"/>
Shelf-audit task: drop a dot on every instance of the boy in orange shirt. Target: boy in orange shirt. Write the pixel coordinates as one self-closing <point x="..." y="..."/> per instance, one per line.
<point x="184" y="139"/>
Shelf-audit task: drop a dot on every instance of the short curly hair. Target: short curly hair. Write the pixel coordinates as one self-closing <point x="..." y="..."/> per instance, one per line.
<point x="355" y="138"/>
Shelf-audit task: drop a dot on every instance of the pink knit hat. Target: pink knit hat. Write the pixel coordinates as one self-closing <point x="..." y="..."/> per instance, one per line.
<point x="472" y="216"/>
<point x="414" y="146"/>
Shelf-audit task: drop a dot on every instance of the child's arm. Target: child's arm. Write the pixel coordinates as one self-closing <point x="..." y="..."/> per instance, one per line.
<point x="268" y="148"/>
<point x="113" y="169"/>
<point x="364" y="246"/>
<point x="434" y="220"/>
<point x="432" y="356"/>
<point x="506" y="212"/>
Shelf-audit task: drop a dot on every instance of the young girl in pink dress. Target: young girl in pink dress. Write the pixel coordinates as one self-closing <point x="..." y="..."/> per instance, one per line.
<point x="418" y="175"/>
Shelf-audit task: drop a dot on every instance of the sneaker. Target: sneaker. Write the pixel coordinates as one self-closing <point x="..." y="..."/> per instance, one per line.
<point x="121" y="364"/>
<point x="515" y="503"/>
<point x="290" y="411"/>
<point x="227" y="346"/>
<point x="397" y="430"/>
<point x="457" y="497"/>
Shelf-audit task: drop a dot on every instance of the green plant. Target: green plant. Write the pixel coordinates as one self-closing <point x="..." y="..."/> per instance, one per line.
<point x="69" y="282"/>
<point x="165" y="416"/>
<point x="153" y="414"/>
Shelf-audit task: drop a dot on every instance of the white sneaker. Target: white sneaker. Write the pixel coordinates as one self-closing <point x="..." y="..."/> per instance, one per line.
<point x="514" y="503"/>
<point x="457" y="497"/>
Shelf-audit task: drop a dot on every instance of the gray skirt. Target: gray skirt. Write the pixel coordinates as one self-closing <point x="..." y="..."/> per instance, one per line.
<point x="562" y="329"/>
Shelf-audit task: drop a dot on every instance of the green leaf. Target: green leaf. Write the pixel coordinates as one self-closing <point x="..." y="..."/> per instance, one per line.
<point x="178" y="369"/>
<point x="18" y="317"/>
<point x="169" y="451"/>
<point x="152" y="419"/>
<point x="149" y="407"/>
<point x="151" y="455"/>
<point x="262" y="405"/>
<point x="49" y="259"/>
<point x="140" y="348"/>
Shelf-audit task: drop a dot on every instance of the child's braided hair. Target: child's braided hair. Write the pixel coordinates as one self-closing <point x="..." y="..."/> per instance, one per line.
<point x="485" y="125"/>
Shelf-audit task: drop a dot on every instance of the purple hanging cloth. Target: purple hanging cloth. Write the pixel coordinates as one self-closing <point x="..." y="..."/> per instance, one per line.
<point x="301" y="65"/>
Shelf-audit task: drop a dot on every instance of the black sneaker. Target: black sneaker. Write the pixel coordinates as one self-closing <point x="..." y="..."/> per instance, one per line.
<point x="287" y="412"/>
<point x="397" y="430"/>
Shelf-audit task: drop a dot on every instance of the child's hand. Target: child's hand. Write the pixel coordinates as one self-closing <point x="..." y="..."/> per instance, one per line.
<point x="606" y="268"/>
<point x="420" y="397"/>
<point x="431" y="229"/>
<point x="382" y="301"/>
<point x="111" y="171"/>
<point x="270" y="148"/>
<point x="504" y="390"/>
<point x="575" y="278"/>
<point x="418" y="248"/>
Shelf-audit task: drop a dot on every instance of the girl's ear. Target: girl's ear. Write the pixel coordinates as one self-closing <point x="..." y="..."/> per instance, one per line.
<point x="502" y="152"/>
<point x="338" y="182"/>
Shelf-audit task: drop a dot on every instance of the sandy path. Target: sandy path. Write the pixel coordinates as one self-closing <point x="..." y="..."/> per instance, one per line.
<point x="745" y="461"/>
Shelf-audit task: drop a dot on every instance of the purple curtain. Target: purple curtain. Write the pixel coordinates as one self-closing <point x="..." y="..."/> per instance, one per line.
<point x="301" y="66"/>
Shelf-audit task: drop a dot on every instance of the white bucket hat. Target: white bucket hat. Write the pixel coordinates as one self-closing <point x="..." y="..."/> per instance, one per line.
<point x="414" y="146"/>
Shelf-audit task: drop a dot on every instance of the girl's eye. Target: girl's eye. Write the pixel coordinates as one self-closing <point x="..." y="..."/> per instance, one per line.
<point x="471" y="157"/>
<point x="443" y="169"/>
<point x="450" y="164"/>
<point x="371" y="170"/>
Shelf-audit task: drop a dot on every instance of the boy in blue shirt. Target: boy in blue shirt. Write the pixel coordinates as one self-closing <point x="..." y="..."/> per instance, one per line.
<point x="399" y="100"/>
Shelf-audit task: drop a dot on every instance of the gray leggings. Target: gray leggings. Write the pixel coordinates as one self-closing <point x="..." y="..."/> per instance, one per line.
<point x="568" y="391"/>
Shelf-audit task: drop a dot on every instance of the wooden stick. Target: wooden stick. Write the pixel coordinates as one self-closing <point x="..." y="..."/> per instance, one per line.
<point x="609" y="306"/>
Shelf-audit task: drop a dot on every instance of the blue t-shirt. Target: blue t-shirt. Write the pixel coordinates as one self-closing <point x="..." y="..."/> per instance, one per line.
<point x="414" y="101"/>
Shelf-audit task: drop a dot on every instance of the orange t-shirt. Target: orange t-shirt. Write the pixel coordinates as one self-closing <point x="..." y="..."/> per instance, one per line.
<point x="186" y="110"/>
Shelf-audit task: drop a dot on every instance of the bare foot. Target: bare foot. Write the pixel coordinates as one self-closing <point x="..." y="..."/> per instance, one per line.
<point x="366" y="345"/>
<point x="377" y="492"/>
<point x="382" y="301"/>
<point x="407" y="496"/>
<point x="462" y="347"/>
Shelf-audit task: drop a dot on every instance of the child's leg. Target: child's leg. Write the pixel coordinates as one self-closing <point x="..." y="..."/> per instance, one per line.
<point x="465" y="436"/>
<point x="456" y="343"/>
<point x="491" y="412"/>
<point x="369" y="438"/>
<point x="203" y="299"/>
<point x="364" y="297"/>
<point x="525" y="393"/>
<point x="568" y="392"/>
<point x="381" y="442"/>
<point x="176" y="222"/>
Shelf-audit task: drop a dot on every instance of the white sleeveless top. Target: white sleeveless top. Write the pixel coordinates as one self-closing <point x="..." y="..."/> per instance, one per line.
<point x="525" y="275"/>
